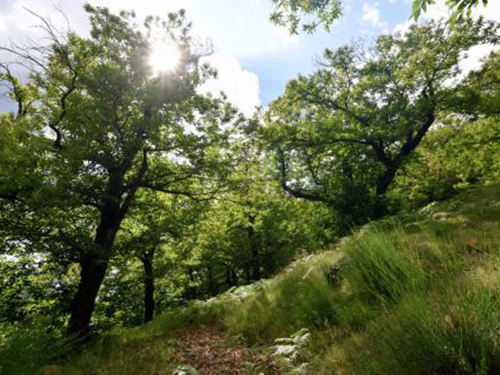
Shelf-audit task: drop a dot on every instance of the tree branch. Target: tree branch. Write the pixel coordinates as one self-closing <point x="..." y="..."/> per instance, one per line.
<point x="294" y="192"/>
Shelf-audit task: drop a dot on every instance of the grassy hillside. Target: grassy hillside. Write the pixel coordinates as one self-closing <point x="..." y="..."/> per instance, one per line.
<point x="414" y="294"/>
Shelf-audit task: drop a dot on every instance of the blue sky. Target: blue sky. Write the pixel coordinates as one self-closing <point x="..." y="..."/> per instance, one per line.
<point x="255" y="59"/>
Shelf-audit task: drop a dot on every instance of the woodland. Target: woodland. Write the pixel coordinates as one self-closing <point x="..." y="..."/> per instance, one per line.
<point x="139" y="217"/>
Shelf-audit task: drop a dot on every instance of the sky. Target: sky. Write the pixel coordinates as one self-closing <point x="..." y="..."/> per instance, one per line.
<point x="255" y="59"/>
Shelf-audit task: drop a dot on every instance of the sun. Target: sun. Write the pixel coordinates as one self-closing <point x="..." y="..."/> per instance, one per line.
<point x="164" y="57"/>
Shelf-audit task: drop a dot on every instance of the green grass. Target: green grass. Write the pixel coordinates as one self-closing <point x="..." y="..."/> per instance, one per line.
<point x="457" y="334"/>
<point x="418" y="295"/>
<point x="272" y="312"/>
<point x="21" y="348"/>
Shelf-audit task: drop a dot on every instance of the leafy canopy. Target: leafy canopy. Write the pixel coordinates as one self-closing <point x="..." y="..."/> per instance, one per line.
<point x="348" y="127"/>
<point x="291" y="13"/>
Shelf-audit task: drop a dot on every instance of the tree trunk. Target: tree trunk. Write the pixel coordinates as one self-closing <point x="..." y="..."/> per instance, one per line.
<point x="92" y="274"/>
<point x="254" y="249"/>
<point x="149" y="286"/>
<point x="212" y="289"/>
<point x="383" y="184"/>
<point x="93" y="270"/>
<point x="385" y="181"/>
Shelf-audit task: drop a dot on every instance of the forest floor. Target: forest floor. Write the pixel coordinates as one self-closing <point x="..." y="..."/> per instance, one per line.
<point x="211" y="351"/>
<point x="416" y="294"/>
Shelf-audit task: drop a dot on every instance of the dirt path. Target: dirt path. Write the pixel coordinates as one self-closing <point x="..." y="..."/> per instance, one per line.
<point x="206" y="350"/>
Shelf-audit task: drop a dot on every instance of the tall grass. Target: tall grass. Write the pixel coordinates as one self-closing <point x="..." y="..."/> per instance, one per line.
<point x="382" y="265"/>
<point x="22" y="348"/>
<point x="456" y="335"/>
<point x="416" y="296"/>
<point x="300" y="297"/>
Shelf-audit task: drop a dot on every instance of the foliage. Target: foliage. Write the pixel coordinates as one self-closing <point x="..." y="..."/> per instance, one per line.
<point x="254" y="231"/>
<point x="169" y="204"/>
<point x="461" y="150"/>
<point x="460" y="9"/>
<point x="31" y="287"/>
<point x="291" y="13"/>
<point x="300" y="297"/>
<point x="115" y="129"/>
<point x="441" y="325"/>
<point x="23" y="347"/>
<point x="451" y="158"/>
<point x="342" y="133"/>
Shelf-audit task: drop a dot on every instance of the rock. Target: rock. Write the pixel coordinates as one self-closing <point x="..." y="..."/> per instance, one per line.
<point x="429" y="209"/>
<point x="299" y="370"/>
<point x="284" y="341"/>
<point x="185" y="370"/>
<point x="289" y="351"/>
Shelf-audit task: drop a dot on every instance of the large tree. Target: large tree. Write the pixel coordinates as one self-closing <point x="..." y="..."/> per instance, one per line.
<point x="342" y="133"/>
<point x="95" y="125"/>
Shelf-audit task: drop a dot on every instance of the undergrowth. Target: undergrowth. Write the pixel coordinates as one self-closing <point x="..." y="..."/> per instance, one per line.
<point x="416" y="294"/>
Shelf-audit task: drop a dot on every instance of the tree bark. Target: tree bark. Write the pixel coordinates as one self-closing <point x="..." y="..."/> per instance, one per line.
<point x="92" y="272"/>
<point x="254" y="249"/>
<point x="385" y="181"/>
<point x="149" y="286"/>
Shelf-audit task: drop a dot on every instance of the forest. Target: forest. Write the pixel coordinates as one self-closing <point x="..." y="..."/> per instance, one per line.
<point x="349" y="226"/>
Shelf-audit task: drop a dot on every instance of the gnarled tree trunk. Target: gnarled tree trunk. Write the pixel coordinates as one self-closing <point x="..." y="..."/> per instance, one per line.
<point x="92" y="275"/>
<point x="93" y="270"/>
<point x="149" y="285"/>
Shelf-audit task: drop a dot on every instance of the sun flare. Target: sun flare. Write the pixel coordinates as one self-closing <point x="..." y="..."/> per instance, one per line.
<point x="164" y="57"/>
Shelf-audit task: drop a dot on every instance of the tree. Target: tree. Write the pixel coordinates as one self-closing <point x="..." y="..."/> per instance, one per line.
<point x="342" y="133"/>
<point x="291" y="13"/>
<point x="481" y="90"/>
<point x="254" y="230"/>
<point x="104" y="127"/>
<point x="156" y="221"/>
<point x="459" y="8"/>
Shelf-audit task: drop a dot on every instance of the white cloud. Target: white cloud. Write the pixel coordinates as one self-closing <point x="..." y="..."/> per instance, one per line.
<point x="284" y="37"/>
<point x="371" y="14"/>
<point x="403" y="27"/>
<point x="472" y="60"/>
<point x="241" y="86"/>
<point x="18" y="24"/>
<point x="437" y="11"/>
<point x="147" y="7"/>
